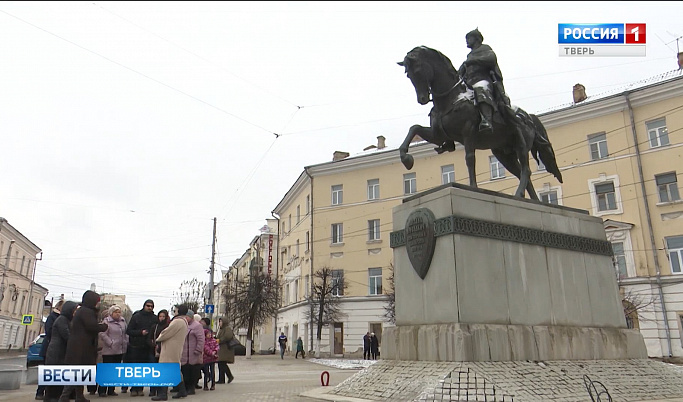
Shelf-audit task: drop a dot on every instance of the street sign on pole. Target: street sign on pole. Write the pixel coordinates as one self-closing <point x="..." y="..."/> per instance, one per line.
<point x="208" y="308"/>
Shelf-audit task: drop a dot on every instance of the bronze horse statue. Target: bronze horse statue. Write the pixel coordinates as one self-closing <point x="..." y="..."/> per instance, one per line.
<point x="455" y="118"/>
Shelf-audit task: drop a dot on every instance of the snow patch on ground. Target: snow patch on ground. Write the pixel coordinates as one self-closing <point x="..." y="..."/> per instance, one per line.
<point x="345" y="364"/>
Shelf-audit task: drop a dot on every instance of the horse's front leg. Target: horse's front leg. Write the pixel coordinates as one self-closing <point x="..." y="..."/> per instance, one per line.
<point x="470" y="160"/>
<point x="424" y="132"/>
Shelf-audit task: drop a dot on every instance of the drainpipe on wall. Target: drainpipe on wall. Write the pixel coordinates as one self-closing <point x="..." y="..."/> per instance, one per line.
<point x="310" y="280"/>
<point x="653" y="246"/>
<point x="277" y="276"/>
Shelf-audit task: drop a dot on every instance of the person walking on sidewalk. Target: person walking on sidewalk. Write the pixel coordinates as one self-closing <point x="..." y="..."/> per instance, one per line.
<point x="300" y="348"/>
<point x="210" y="358"/>
<point x="282" y="340"/>
<point x="366" y="346"/>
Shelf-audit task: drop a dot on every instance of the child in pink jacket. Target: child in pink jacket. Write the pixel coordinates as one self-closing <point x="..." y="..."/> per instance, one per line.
<point x="210" y="358"/>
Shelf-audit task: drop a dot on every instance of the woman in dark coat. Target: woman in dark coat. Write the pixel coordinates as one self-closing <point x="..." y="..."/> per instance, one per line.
<point x="81" y="348"/>
<point x="225" y="353"/>
<point x="57" y="348"/>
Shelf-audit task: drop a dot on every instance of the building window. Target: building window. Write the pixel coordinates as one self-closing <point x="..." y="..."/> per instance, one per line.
<point x="373" y="229"/>
<point x="606" y="196"/>
<point x="598" y="146"/>
<point x="286" y="301"/>
<point x="308" y="204"/>
<point x="308" y="241"/>
<point x="549" y="197"/>
<point x="23" y="261"/>
<point x="375" y="281"/>
<point x="298" y="213"/>
<point x="620" y="260"/>
<point x="409" y="183"/>
<point x="297" y="248"/>
<point x="497" y="169"/>
<point x="657" y="133"/>
<point x="674" y="246"/>
<point x="296" y="290"/>
<point x="373" y="189"/>
<point x="667" y="187"/>
<point x="306" y="285"/>
<point x="337" y="282"/>
<point x="337" y="194"/>
<point x="284" y="228"/>
<point x="447" y="174"/>
<point x="290" y="222"/>
<point x="337" y="233"/>
<point x="541" y="166"/>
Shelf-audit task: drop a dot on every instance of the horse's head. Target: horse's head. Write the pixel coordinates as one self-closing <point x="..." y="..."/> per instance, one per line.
<point x="430" y="71"/>
<point x="419" y="72"/>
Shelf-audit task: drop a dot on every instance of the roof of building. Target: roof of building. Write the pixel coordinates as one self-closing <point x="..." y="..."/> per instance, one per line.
<point x="634" y="86"/>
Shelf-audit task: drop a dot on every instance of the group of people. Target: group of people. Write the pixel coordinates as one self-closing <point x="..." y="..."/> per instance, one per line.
<point x="75" y="335"/>
<point x="370" y="346"/>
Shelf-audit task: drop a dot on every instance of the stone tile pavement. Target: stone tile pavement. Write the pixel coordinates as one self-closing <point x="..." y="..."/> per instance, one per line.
<point x="519" y="381"/>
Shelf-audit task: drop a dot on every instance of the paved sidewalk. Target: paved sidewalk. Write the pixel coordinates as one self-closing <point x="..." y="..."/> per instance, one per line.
<point x="263" y="378"/>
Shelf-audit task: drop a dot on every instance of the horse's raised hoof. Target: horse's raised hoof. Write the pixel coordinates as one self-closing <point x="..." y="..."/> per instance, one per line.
<point x="408" y="161"/>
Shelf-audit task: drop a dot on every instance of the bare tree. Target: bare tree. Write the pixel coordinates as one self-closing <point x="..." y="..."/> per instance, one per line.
<point x="252" y="301"/>
<point x="634" y="302"/>
<point x="328" y="285"/>
<point x="390" y="307"/>
<point x="191" y="293"/>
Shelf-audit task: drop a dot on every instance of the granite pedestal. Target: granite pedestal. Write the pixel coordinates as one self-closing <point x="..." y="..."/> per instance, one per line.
<point x="508" y="279"/>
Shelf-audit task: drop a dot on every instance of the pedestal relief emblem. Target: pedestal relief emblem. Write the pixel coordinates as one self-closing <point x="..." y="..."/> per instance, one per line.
<point x="420" y="240"/>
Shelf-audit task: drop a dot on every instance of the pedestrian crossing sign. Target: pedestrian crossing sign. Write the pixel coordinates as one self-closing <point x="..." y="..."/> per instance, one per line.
<point x="27" y="319"/>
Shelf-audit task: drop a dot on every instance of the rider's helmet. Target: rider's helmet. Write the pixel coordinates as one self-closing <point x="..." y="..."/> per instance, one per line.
<point x="476" y="34"/>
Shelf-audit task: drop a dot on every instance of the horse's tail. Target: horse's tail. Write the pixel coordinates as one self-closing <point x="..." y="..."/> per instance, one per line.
<point x="543" y="149"/>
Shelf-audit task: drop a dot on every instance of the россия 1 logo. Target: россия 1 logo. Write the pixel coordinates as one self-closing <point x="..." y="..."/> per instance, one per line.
<point x="601" y="40"/>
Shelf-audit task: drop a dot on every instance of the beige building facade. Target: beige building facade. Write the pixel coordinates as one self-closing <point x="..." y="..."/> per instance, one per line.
<point x="20" y="295"/>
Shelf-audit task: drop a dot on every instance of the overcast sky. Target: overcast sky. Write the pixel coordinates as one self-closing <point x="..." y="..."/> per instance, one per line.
<point x="128" y="126"/>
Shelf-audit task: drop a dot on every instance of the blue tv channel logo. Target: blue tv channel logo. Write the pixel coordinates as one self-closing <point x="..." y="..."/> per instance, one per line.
<point x="590" y="34"/>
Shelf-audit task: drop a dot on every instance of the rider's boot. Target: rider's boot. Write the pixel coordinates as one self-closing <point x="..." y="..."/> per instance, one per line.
<point x="486" y="112"/>
<point x="446" y="146"/>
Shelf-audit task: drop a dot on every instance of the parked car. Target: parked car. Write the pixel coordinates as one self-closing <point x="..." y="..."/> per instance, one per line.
<point x="33" y="353"/>
<point x="241" y="350"/>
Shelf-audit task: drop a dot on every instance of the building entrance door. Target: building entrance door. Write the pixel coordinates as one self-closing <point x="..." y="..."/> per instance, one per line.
<point x="338" y="338"/>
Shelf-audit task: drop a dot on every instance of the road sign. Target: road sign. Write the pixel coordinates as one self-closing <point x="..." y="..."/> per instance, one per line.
<point x="27" y="319"/>
<point x="208" y="309"/>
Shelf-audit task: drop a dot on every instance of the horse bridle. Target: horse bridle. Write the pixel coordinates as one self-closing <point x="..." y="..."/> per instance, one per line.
<point x="445" y="93"/>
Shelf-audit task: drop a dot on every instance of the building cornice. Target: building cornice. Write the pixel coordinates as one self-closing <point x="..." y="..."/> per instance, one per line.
<point x="297" y="188"/>
<point x="612" y="104"/>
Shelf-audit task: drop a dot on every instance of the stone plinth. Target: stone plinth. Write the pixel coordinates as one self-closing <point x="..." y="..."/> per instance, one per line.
<point x="509" y="279"/>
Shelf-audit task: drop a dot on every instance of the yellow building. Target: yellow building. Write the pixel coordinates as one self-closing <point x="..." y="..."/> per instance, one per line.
<point x="19" y="294"/>
<point x="619" y="153"/>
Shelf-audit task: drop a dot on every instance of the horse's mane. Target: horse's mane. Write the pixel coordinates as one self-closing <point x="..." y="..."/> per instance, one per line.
<point x="439" y="56"/>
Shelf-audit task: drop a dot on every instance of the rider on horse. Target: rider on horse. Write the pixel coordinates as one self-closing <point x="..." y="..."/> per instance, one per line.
<point x="481" y="73"/>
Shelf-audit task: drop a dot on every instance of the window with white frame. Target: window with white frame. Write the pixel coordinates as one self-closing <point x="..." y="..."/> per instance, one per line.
<point x="549" y="197"/>
<point x="497" y="169"/>
<point x="674" y="246"/>
<point x="373" y="229"/>
<point x="620" y="259"/>
<point x="667" y="187"/>
<point x="605" y="196"/>
<point x="375" y="281"/>
<point x="337" y="233"/>
<point x="541" y="166"/>
<point x="657" y="133"/>
<point x="409" y="183"/>
<point x="337" y="282"/>
<point x="337" y="194"/>
<point x="598" y="146"/>
<point x="373" y="189"/>
<point x="447" y="174"/>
